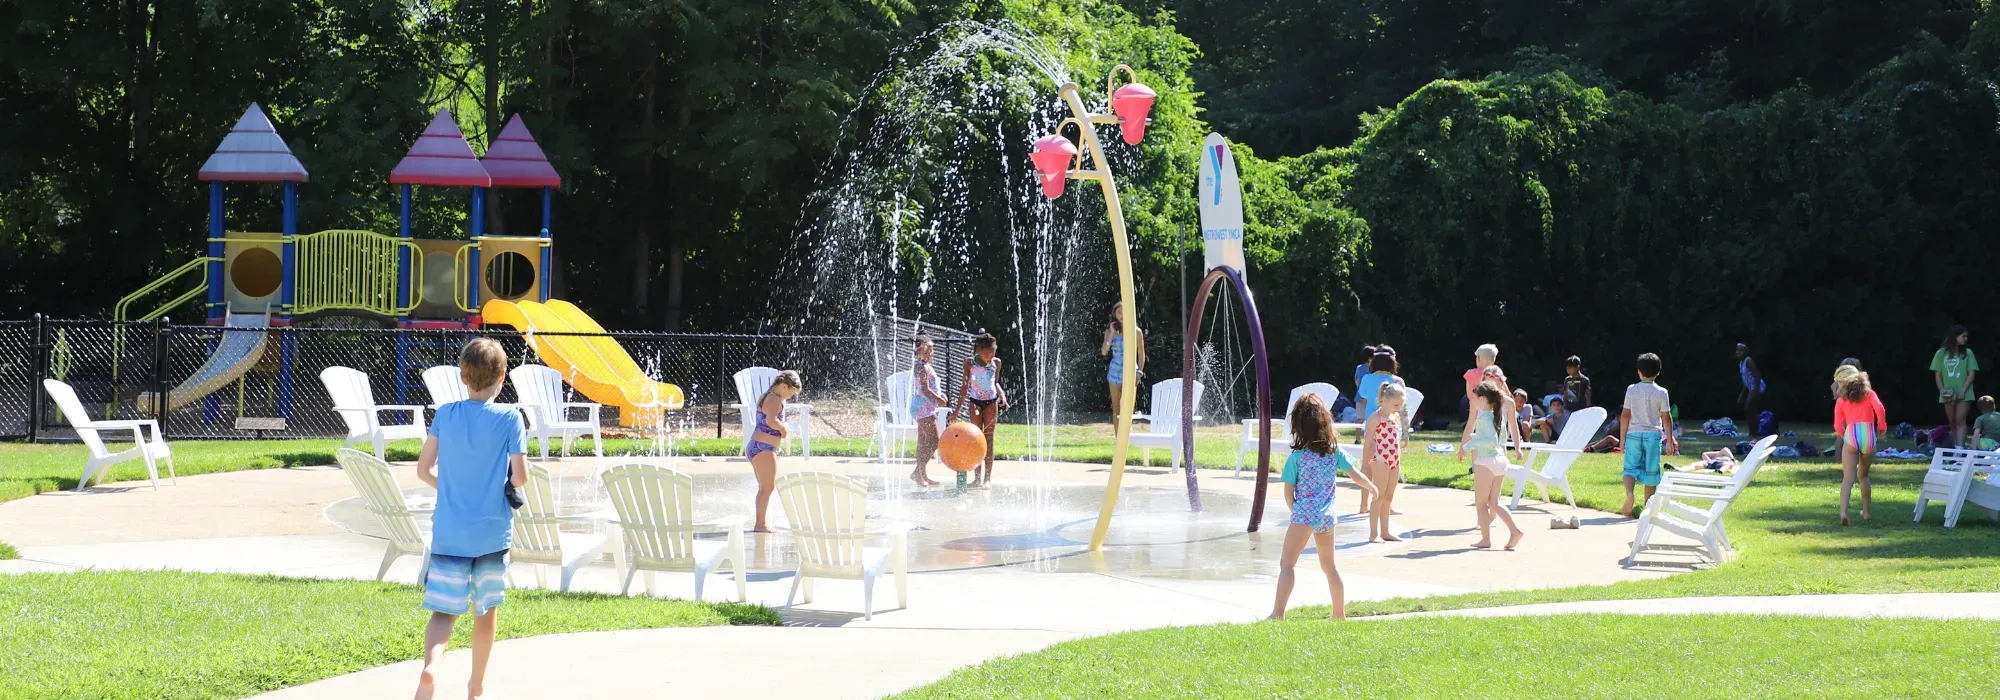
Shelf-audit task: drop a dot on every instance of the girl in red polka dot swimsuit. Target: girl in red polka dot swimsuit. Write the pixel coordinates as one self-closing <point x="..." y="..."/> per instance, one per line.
<point x="1384" y="459"/>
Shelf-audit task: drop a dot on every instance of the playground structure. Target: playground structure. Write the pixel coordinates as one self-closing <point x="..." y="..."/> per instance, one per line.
<point x="1056" y="160"/>
<point x="258" y="280"/>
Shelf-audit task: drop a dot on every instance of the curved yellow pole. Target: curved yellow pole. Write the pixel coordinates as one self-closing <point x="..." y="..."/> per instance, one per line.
<point x="1129" y="327"/>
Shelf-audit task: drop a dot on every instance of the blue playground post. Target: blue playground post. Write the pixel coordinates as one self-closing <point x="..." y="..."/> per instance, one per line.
<point x="291" y="254"/>
<point x="548" y="243"/>
<point x="472" y="260"/>
<point x="215" y="233"/>
<point x="211" y="406"/>
<point x="478" y="212"/>
<point x="403" y="258"/>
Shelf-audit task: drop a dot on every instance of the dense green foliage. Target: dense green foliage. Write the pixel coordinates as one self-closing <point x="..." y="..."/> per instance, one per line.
<point x="1598" y="177"/>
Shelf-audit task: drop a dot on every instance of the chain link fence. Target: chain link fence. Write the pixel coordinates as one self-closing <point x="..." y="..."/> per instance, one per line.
<point x="206" y="378"/>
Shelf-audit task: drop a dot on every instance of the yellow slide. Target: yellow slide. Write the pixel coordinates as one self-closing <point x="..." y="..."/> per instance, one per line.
<point x="598" y="367"/>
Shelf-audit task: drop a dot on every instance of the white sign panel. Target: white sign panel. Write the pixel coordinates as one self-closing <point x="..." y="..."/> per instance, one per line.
<point x="1221" y="206"/>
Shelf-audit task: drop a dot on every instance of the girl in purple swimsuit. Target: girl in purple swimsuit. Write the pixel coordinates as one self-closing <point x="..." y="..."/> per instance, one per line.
<point x="764" y="441"/>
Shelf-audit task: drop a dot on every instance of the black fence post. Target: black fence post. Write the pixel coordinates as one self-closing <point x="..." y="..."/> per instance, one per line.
<point x="39" y="364"/>
<point x="160" y="354"/>
<point x="721" y="370"/>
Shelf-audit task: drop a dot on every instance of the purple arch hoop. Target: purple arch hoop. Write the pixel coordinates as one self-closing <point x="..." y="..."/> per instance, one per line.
<point x="1263" y="389"/>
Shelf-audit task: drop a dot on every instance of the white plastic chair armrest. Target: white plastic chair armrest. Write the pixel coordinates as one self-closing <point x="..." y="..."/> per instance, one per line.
<point x="1552" y="449"/>
<point x="1680" y="478"/>
<point x="728" y="522"/>
<point x="893" y="529"/>
<point x="399" y="407"/>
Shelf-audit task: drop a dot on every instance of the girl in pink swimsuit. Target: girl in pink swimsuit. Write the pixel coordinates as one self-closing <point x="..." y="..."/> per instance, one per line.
<point x="1384" y="458"/>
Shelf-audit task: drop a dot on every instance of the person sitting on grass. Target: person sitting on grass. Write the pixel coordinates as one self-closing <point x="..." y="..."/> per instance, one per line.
<point x="474" y="452"/>
<point x="1644" y="427"/>
<point x="1309" y="487"/>
<point x="1551" y="425"/>
<point x="1524" y="414"/>
<point x="1986" y="430"/>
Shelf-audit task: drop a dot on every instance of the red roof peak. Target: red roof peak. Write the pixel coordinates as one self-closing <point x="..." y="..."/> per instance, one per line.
<point x="441" y="157"/>
<point x="252" y="152"/>
<point x="515" y="160"/>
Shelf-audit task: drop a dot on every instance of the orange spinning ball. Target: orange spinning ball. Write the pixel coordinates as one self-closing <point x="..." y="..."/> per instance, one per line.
<point x="962" y="446"/>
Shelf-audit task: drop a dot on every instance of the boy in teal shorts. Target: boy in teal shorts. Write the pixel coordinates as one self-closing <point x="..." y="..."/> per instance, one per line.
<point x="474" y="451"/>
<point x="1644" y="428"/>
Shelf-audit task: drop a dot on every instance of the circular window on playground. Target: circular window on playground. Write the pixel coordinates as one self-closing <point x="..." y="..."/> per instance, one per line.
<point x="510" y="275"/>
<point x="256" y="272"/>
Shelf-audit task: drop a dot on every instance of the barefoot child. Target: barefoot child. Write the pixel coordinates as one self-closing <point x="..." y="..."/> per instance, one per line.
<point x="1486" y="436"/>
<point x="1986" y="430"/>
<point x="764" y="441"/>
<point x="1382" y="372"/>
<point x="1382" y="459"/>
<point x="475" y="449"/>
<point x="1645" y="424"/>
<point x="1857" y="418"/>
<point x="926" y="396"/>
<point x="982" y="389"/>
<point x="1309" y="478"/>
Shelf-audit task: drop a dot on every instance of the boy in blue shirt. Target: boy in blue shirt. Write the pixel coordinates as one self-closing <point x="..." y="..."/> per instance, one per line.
<point x="1645" y="428"/>
<point x="475" y="449"/>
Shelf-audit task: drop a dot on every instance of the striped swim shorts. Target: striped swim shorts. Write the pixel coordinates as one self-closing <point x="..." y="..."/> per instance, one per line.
<point x="456" y="585"/>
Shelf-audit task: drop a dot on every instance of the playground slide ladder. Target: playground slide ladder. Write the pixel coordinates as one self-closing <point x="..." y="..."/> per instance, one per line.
<point x="348" y="270"/>
<point x="122" y="311"/>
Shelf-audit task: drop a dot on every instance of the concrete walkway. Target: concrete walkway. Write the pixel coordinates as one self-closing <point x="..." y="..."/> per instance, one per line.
<point x="970" y="603"/>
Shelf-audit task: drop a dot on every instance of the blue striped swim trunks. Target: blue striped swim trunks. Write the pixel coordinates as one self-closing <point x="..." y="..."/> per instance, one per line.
<point x="456" y="585"/>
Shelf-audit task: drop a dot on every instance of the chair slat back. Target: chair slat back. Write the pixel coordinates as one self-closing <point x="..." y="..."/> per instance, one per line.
<point x="380" y="494"/>
<point x="655" y="507"/>
<point x="751" y="383"/>
<point x="444" y="385"/>
<point x="537" y="532"/>
<point x="828" y="514"/>
<point x="1327" y="394"/>
<point x="539" y="387"/>
<point x="1576" y="435"/>
<point x="1165" y="413"/>
<point x="1412" y="400"/>
<point x="1741" y="479"/>
<point x="72" y="411"/>
<point x="896" y="390"/>
<point x="348" y="388"/>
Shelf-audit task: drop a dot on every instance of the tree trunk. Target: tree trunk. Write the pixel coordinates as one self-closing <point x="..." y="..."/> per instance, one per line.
<point x="676" y="250"/>
<point x="642" y="233"/>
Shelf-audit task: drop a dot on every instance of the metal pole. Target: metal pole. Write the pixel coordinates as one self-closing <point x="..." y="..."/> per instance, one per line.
<point x="1129" y="330"/>
<point x="160" y="356"/>
<point x="721" y="370"/>
<point x="40" y="361"/>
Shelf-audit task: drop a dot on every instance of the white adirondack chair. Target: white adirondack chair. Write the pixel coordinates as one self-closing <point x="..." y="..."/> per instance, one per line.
<point x="1412" y="400"/>
<point x="538" y="535"/>
<point x="1669" y="508"/>
<point x="354" y="401"/>
<point x="656" y="528"/>
<point x="444" y="385"/>
<point x="1951" y="480"/>
<point x="1163" y="425"/>
<point x="828" y="515"/>
<point x="1556" y="459"/>
<point x="539" y="389"/>
<point x="91" y="432"/>
<point x="380" y="494"/>
<point x="751" y="383"/>
<point x="893" y="421"/>
<point x="1281" y="443"/>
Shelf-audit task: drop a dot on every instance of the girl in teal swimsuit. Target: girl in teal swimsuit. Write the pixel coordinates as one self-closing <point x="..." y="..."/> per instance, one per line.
<point x="1309" y="485"/>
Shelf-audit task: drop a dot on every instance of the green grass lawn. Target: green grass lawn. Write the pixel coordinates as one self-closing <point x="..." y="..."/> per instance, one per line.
<point x="159" y="634"/>
<point x="1585" y="656"/>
